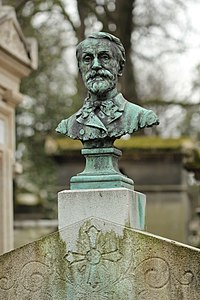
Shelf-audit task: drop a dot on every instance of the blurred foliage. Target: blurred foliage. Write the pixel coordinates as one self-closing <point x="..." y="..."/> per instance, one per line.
<point x="148" y="31"/>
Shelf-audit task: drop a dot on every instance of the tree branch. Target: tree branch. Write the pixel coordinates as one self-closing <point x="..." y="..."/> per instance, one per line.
<point x="65" y="14"/>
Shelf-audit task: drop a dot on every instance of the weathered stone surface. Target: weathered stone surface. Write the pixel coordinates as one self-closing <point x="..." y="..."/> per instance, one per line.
<point x="118" y="205"/>
<point x="95" y="259"/>
<point x="17" y="59"/>
<point x="11" y="40"/>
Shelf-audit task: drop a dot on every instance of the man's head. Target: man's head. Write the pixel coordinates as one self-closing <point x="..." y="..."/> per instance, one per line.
<point x="101" y="58"/>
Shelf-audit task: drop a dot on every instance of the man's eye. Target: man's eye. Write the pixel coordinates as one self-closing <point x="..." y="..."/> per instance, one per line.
<point x="105" y="57"/>
<point x="87" y="58"/>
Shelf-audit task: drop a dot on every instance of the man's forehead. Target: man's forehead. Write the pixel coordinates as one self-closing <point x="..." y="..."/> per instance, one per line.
<point x="98" y="45"/>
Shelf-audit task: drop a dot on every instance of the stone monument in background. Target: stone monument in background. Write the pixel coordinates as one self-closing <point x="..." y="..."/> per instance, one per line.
<point x="97" y="252"/>
<point x="18" y="57"/>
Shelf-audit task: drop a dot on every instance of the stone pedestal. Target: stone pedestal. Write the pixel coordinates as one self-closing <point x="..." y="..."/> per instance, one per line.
<point x="122" y="206"/>
<point x="101" y="170"/>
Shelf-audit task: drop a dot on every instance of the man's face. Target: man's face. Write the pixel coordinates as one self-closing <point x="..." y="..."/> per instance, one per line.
<point x="99" y="65"/>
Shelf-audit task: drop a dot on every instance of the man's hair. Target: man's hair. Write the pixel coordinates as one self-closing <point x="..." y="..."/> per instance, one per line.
<point x="115" y="41"/>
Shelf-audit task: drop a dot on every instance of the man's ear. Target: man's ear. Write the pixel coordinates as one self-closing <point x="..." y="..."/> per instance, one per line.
<point x="120" y="69"/>
<point x="79" y="69"/>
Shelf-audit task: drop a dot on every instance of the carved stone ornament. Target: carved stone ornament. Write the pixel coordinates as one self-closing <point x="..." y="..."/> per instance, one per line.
<point x="11" y="36"/>
<point x="95" y="259"/>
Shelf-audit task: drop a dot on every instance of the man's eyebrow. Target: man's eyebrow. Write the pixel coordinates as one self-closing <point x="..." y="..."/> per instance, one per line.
<point x="87" y="52"/>
<point x="104" y="51"/>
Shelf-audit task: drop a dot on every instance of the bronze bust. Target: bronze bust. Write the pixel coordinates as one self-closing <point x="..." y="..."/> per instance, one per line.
<point x="105" y="114"/>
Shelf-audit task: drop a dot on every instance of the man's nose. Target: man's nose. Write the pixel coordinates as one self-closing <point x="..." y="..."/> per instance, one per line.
<point x="96" y="64"/>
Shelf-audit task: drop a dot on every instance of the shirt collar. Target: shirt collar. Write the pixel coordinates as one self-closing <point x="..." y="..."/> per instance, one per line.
<point x="117" y="103"/>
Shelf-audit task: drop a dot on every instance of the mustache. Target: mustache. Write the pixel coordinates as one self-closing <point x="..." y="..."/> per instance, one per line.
<point x="102" y="73"/>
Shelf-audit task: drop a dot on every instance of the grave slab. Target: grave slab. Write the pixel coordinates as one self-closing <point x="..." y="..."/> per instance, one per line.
<point x="96" y="259"/>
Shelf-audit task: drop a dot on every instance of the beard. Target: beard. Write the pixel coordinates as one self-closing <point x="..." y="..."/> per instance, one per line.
<point x="100" y="82"/>
<point x="100" y="86"/>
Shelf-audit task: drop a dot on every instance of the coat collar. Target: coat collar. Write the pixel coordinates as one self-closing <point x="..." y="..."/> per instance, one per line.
<point x="86" y="115"/>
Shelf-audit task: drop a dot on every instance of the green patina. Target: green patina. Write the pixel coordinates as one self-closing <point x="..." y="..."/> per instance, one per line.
<point x="192" y="164"/>
<point x="52" y="253"/>
<point x="141" y="212"/>
<point x="101" y="171"/>
<point x="105" y="115"/>
<point x="154" y="143"/>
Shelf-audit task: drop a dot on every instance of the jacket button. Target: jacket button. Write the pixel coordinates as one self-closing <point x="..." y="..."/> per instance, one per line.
<point x="82" y="131"/>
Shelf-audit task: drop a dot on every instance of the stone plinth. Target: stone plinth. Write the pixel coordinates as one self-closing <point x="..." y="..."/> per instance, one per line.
<point x="120" y="205"/>
<point x="101" y="171"/>
<point x="96" y="259"/>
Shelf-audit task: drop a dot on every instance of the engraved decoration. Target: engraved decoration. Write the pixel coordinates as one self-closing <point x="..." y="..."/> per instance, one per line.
<point x="11" y="40"/>
<point x="101" y="266"/>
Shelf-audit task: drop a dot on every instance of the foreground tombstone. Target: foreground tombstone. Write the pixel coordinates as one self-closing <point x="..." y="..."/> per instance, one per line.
<point x="96" y="259"/>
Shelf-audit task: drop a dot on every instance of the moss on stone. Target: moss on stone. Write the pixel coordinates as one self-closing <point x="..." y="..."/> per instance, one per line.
<point x="193" y="163"/>
<point x="138" y="142"/>
<point x="144" y="142"/>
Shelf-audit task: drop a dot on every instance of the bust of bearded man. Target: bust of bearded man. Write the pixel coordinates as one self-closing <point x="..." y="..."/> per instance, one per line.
<point x="105" y="115"/>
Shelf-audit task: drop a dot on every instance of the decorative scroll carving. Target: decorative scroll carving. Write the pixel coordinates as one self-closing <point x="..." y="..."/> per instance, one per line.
<point x="6" y="283"/>
<point x="33" y="276"/>
<point x="32" y="283"/>
<point x="186" y="278"/>
<point x="154" y="271"/>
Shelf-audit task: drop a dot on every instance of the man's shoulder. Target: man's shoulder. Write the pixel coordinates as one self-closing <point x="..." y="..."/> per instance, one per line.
<point x="137" y="116"/>
<point x="64" y="125"/>
<point x="128" y="106"/>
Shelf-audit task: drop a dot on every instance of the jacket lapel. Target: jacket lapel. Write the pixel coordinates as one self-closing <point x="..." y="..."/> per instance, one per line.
<point x="92" y="120"/>
<point x="120" y="102"/>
